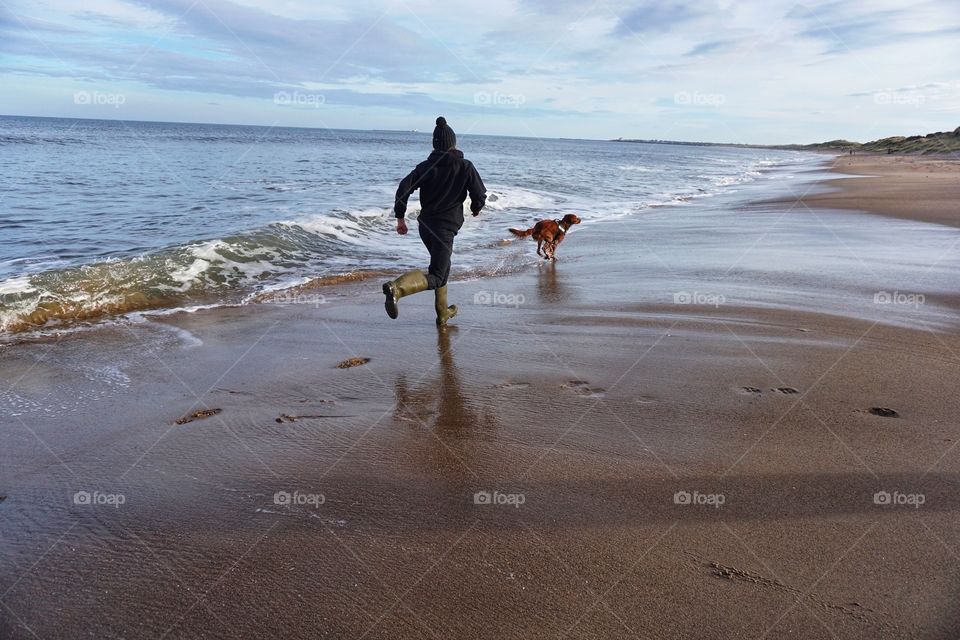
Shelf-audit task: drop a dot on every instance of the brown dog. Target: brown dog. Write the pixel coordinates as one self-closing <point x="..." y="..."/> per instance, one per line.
<point x="548" y="234"/>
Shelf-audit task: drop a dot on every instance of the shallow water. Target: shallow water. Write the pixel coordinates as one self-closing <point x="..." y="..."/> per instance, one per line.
<point x="103" y="218"/>
<point x="732" y="251"/>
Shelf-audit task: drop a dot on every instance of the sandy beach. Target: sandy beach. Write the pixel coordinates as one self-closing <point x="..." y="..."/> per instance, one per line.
<point x="708" y="422"/>
<point x="925" y="188"/>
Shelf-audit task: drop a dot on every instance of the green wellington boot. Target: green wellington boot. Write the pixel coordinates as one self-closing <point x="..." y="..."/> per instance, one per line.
<point x="409" y="283"/>
<point x="444" y="312"/>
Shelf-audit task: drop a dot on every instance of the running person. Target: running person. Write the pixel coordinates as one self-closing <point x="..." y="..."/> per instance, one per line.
<point x="444" y="179"/>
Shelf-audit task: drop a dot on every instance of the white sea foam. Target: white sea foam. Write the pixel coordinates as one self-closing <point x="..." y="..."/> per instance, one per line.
<point x="639" y="168"/>
<point x="189" y="275"/>
<point x="17" y="285"/>
<point x="339" y="228"/>
<point x="501" y="198"/>
<point x="139" y="315"/>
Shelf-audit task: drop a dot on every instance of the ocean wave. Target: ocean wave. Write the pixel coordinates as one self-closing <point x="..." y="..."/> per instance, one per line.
<point x="503" y="199"/>
<point x="305" y="252"/>
<point x="639" y="168"/>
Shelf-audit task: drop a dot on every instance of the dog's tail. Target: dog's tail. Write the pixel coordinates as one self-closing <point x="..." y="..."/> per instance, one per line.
<point x="521" y="234"/>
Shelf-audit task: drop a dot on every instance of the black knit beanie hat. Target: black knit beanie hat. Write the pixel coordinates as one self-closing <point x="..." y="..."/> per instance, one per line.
<point x="444" y="138"/>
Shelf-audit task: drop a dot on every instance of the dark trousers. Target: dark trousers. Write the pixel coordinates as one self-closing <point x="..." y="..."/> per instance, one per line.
<point x="438" y="239"/>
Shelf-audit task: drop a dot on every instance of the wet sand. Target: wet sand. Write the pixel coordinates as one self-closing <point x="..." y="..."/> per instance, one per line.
<point x="925" y="188"/>
<point x="666" y="464"/>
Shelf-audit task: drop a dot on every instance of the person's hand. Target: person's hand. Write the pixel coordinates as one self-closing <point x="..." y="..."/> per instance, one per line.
<point x="401" y="226"/>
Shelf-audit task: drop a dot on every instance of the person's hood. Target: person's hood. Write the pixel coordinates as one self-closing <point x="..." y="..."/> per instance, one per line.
<point x="444" y="157"/>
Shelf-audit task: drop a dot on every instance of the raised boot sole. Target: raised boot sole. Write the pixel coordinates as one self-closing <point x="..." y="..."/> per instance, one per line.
<point x="390" y="304"/>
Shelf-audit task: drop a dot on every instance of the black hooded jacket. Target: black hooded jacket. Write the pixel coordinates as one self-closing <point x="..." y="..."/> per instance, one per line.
<point x="444" y="179"/>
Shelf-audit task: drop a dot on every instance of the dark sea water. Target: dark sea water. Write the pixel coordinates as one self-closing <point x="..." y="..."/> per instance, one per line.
<point x="103" y="218"/>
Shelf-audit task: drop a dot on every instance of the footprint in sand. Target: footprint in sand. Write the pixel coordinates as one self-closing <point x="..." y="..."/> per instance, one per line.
<point x="583" y="388"/>
<point x="352" y="362"/>
<point x="198" y="415"/>
<point x="509" y="386"/>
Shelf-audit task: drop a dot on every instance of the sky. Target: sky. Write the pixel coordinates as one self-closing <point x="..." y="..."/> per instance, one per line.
<point x="766" y="72"/>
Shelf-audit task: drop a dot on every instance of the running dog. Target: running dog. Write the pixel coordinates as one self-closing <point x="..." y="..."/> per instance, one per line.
<point x="548" y="234"/>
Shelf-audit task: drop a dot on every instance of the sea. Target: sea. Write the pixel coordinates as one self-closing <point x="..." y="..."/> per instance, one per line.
<point x="103" y="219"/>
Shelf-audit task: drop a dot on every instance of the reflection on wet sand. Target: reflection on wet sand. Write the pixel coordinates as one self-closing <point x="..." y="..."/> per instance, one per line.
<point x="452" y="417"/>
<point x="549" y="288"/>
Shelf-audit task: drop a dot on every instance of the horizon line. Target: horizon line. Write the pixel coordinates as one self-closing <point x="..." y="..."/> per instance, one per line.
<point x="418" y="131"/>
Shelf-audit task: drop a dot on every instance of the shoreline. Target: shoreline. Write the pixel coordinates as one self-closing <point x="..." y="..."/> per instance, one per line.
<point x="207" y="273"/>
<point x="919" y="188"/>
<point x="689" y="405"/>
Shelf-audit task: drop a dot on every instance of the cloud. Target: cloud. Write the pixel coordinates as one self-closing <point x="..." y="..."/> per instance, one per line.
<point x="659" y="16"/>
<point x="291" y="51"/>
<point x="846" y="27"/>
<point x="714" y="46"/>
<point x="223" y="47"/>
<point x="608" y="69"/>
<point x="11" y="23"/>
